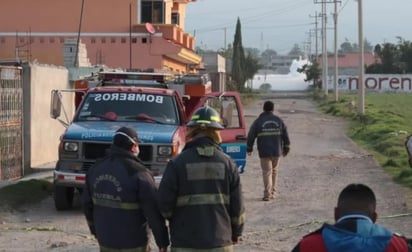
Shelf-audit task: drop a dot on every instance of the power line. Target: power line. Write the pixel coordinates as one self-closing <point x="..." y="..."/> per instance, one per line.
<point x="259" y="16"/>
<point x="277" y="26"/>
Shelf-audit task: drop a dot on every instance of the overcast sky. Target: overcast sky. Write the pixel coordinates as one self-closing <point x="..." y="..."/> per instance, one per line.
<point x="279" y="24"/>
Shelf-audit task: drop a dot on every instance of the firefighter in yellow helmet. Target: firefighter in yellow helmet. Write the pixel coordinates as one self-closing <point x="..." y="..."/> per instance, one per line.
<point x="200" y="192"/>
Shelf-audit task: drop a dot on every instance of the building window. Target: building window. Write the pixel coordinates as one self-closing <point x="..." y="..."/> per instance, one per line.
<point x="175" y="18"/>
<point x="2" y="40"/>
<point x="93" y="41"/>
<point x="42" y="40"/>
<point x="134" y="40"/>
<point x="103" y="40"/>
<point x="123" y="40"/>
<point x="61" y="40"/>
<point x="113" y="40"/>
<point x="152" y="11"/>
<point x="51" y="40"/>
<point x="21" y="40"/>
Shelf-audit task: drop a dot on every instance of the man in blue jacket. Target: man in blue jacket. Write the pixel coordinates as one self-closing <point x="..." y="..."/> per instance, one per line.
<point x="355" y="229"/>
<point x="272" y="143"/>
<point x="119" y="199"/>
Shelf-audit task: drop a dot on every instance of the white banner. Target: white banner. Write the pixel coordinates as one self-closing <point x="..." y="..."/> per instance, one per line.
<point x="374" y="82"/>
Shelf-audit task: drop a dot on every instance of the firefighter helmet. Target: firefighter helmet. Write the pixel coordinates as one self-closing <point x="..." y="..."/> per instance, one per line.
<point x="205" y="117"/>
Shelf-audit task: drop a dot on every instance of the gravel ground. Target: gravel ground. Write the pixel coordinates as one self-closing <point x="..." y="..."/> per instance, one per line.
<point x="321" y="162"/>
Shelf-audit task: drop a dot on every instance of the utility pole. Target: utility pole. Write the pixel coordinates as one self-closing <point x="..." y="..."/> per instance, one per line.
<point x="335" y="76"/>
<point x="324" y="46"/>
<point x="324" y="42"/>
<point x="76" y="60"/>
<point x="130" y="36"/>
<point x="361" y="84"/>
<point x="225" y="29"/>
<point x="316" y="35"/>
<point x="324" y="49"/>
<point x="308" y="46"/>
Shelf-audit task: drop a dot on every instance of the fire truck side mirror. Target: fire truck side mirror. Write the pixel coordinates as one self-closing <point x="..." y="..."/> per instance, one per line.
<point x="56" y="104"/>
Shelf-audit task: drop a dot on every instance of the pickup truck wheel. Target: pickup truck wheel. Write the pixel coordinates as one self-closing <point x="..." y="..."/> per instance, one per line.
<point x="63" y="197"/>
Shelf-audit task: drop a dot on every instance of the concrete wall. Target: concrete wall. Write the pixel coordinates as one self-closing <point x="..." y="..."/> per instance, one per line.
<point x="215" y="66"/>
<point x="41" y="131"/>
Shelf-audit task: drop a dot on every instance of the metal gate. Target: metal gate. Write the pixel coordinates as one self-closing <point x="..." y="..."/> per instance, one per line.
<point x="11" y="129"/>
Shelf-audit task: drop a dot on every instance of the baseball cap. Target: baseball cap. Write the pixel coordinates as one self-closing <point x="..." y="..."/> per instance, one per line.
<point x="125" y="137"/>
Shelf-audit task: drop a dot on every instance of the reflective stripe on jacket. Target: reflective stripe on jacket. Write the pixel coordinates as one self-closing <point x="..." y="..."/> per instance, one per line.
<point x="200" y="193"/>
<point x="120" y="200"/>
<point x="271" y="134"/>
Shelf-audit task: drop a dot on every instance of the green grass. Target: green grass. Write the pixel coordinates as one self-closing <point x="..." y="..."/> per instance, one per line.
<point x="382" y="129"/>
<point x="25" y="193"/>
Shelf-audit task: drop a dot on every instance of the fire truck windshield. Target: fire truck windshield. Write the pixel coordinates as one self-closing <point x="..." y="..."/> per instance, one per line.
<point x="115" y="106"/>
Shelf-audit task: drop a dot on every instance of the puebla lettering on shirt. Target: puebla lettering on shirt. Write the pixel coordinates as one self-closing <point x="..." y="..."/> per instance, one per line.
<point x="106" y="196"/>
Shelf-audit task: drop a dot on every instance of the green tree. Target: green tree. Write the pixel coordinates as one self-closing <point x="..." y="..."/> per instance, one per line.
<point x="394" y="58"/>
<point x="228" y="53"/>
<point x="238" y="60"/>
<point x="368" y="47"/>
<point x="265" y="87"/>
<point x="405" y="56"/>
<point x="312" y="72"/>
<point x="389" y="56"/>
<point x="347" y="47"/>
<point x="296" y="51"/>
<point x="266" y="58"/>
<point x="254" y="52"/>
<point x="251" y="66"/>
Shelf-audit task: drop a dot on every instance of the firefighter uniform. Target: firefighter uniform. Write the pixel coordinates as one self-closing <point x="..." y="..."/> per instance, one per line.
<point x="272" y="143"/>
<point x="119" y="201"/>
<point x="356" y="233"/>
<point x="271" y="133"/>
<point x="200" y="194"/>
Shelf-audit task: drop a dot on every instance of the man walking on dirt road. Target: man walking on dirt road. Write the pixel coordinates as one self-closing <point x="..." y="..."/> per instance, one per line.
<point x="355" y="229"/>
<point x="272" y="143"/>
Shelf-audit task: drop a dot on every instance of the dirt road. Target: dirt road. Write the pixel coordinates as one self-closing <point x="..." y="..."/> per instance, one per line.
<point x="321" y="162"/>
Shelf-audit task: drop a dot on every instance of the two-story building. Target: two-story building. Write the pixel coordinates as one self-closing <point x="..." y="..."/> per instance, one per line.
<point x="131" y="34"/>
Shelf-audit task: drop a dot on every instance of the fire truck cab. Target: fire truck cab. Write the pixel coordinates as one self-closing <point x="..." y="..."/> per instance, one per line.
<point x="157" y="105"/>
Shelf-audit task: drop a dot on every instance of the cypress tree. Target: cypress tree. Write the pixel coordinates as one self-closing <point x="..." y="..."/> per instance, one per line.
<point x="238" y="59"/>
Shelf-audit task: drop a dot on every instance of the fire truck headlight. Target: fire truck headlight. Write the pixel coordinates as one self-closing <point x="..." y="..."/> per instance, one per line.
<point x="164" y="150"/>
<point x="71" y="146"/>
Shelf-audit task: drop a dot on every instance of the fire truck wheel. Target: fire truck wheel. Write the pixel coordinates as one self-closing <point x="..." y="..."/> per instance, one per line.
<point x="63" y="197"/>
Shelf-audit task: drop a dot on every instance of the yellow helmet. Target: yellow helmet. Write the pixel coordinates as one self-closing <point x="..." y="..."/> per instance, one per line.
<point x="205" y="117"/>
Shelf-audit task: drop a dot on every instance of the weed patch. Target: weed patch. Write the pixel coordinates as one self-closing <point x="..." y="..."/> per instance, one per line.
<point x="24" y="193"/>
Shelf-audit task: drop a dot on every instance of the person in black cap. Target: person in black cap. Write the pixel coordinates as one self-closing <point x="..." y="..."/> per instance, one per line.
<point x="119" y="199"/>
<point x="272" y="143"/>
